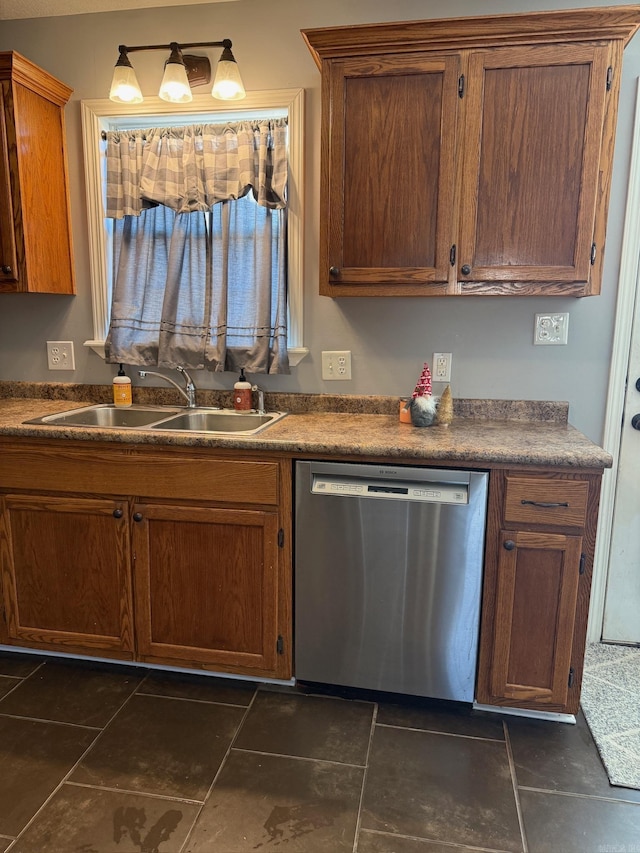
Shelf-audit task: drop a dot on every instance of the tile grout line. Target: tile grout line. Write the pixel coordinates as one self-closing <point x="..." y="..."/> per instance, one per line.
<point x="20" y="679"/>
<point x="190" y="699"/>
<point x="71" y="770"/>
<point x="516" y="793"/>
<point x="455" y="848"/>
<point x="580" y="796"/>
<point x="356" y="835"/>
<point x="437" y="732"/>
<point x="218" y="772"/>
<point x="113" y="790"/>
<point x="51" y="722"/>
<point x="296" y="757"/>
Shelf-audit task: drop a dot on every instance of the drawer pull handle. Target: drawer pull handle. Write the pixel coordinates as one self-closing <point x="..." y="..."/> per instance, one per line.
<point x="118" y="513"/>
<point x="137" y="516"/>
<point x="509" y="545"/>
<point x="6" y="269"/>
<point x="544" y="504"/>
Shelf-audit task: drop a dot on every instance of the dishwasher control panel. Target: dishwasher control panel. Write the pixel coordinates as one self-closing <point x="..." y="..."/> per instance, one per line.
<point x="443" y="493"/>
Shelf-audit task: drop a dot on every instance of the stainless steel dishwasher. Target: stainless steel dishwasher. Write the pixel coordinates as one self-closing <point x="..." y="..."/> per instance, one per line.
<point x="388" y="573"/>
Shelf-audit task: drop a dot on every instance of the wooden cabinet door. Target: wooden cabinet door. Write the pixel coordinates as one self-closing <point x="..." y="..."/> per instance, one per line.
<point x="532" y="144"/>
<point x="35" y="159"/>
<point x="206" y="588"/>
<point x="66" y="574"/>
<point x="536" y="593"/>
<point x="389" y="126"/>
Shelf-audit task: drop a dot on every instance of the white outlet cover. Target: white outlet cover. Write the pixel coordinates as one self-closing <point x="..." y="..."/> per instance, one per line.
<point x="336" y="364"/>
<point x="551" y="330"/>
<point x="60" y="355"/>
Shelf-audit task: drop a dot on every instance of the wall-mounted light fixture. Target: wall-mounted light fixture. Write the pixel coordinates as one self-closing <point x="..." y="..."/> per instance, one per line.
<point x="178" y="73"/>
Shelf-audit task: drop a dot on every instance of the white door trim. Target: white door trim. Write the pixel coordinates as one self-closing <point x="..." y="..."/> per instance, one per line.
<point x="628" y="293"/>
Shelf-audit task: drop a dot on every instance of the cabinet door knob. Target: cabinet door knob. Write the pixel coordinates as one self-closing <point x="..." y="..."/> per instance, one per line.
<point x="6" y="269"/>
<point x="137" y="516"/>
<point x="465" y="269"/>
<point x="334" y="271"/>
<point x="635" y="421"/>
<point x="638" y="383"/>
<point x="509" y="545"/>
<point x="118" y="513"/>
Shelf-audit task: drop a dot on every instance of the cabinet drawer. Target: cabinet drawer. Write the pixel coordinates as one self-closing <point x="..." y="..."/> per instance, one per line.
<point x="122" y="472"/>
<point x="543" y="501"/>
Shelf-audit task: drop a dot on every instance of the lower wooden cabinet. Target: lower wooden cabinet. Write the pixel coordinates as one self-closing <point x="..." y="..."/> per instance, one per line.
<point x="536" y="592"/>
<point x="539" y="556"/>
<point x="66" y="573"/>
<point x="195" y="572"/>
<point x="207" y="586"/>
<point x="182" y="557"/>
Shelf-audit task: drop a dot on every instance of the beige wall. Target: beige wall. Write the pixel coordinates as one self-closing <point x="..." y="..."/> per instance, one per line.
<point x="491" y="338"/>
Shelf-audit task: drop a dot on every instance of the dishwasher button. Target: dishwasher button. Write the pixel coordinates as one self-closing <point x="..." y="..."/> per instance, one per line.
<point x="350" y="488"/>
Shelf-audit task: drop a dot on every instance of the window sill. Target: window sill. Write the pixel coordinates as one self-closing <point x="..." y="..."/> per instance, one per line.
<point x="296" y="354"/>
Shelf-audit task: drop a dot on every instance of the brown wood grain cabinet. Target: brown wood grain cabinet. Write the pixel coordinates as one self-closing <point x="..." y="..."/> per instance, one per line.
<point x="468" y="156"/>
<point x="207" y="586"/>
<point x="193" y="570"/>
<point x="539" y="557"/>
<point x="36" y="252"/>
<point x="183" y="557"/>
<point x="66" y="573"/>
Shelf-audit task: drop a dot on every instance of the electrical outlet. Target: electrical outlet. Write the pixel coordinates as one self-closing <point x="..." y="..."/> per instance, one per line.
<point x="336" y="364"/>
<point x="441" y="367"/>
<point x="60" y="355"/>
<point x="551" y="329"/>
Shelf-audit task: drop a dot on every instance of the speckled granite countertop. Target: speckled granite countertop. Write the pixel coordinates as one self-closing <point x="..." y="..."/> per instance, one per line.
<point x="484" y="432"/>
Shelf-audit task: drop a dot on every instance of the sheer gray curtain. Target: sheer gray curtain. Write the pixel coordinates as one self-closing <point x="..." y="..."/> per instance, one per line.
<point x="199" y="260"/>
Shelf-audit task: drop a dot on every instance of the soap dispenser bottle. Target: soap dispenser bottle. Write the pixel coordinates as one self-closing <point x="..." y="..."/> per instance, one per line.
<point x="242" y="394"/>
<point x="121" y="390"/>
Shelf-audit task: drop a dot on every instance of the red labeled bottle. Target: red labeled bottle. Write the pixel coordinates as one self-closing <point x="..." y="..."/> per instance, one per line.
<point x="242" y="394"/>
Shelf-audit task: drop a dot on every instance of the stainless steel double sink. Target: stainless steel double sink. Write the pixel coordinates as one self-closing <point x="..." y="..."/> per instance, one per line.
<point x="211" y="421"/>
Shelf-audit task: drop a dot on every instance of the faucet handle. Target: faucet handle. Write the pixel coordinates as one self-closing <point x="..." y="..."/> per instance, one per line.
<point x="182" y="370"/>
<point x="260" y="407"/>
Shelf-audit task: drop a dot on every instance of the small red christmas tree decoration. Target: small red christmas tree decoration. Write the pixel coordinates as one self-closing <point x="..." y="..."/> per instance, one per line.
<point x="423" y="386"/>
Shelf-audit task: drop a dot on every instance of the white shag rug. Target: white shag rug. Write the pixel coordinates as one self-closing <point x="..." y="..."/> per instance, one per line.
<point x="611" y="704"/>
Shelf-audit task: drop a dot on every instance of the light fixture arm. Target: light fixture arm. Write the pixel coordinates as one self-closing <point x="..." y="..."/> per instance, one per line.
<point x="225" y="43"/>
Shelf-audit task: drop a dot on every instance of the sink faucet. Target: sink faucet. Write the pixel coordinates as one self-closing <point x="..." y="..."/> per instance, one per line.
<point x="189" y="390"/>
<point x="260" y="406"/>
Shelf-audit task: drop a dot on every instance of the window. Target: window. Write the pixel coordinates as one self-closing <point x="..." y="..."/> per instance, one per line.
<point x="103" y="115"/>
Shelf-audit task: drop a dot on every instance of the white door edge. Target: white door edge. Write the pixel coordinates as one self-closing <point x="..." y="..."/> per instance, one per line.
<point x="628" y="290"/>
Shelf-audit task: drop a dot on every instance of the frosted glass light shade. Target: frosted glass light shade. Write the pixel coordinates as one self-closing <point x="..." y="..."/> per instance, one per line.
<point x="175" y="85"/>
<point x="124" y="86"/>
<point x="227" y="85"/>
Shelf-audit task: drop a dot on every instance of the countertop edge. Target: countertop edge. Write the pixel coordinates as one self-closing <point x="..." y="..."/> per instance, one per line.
<point x="467" y="440"/>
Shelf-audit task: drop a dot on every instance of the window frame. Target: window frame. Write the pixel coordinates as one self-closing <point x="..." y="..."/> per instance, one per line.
<point x="102" y="115"/>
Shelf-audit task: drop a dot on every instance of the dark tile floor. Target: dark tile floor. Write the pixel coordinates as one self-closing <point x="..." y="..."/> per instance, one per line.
<point x="99" y="758"/>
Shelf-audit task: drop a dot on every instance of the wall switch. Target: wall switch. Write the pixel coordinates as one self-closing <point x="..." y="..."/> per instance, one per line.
<point x="441" y="367"/>
<point x="551" y="329"/>
<point x="336" y="364"/>
<point x="60" y="355"/>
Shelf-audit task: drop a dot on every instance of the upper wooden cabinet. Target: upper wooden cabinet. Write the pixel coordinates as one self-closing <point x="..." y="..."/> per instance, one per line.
<point x="36" y="253"/>
<point x="470" y="155"/>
